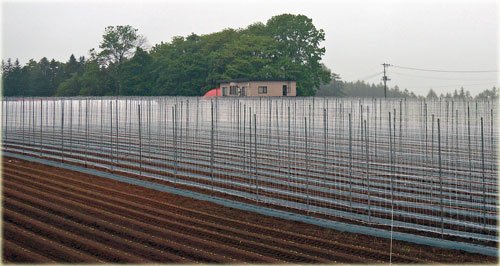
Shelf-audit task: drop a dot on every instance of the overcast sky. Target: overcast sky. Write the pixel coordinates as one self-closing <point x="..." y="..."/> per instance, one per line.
<point x="360" y="35"/>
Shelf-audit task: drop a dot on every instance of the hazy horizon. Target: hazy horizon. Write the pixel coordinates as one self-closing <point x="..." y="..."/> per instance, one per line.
<point x="360" y="35"/>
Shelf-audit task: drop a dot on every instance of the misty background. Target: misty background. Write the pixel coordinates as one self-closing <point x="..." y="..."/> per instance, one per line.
<point x="360" y="35"/>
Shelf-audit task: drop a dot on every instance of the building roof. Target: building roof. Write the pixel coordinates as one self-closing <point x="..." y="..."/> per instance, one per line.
<point x="213" y="93"/>
<point x="255" y="79"/>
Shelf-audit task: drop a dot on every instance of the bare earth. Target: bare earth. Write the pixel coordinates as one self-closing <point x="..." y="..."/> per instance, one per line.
<point x="53" y="215"/>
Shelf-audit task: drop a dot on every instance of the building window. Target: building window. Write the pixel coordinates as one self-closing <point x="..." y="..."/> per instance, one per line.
<point x="262" y="89"/>
<point x="224" y="91"/>
<point x="233" y="90"/>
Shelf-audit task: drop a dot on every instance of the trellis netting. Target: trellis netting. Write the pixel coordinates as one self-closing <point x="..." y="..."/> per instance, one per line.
<point x="424" y="166"/>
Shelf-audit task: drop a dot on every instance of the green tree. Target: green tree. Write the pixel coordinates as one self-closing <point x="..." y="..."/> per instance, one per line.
<point x="333" y="89"/>
<point x="298" y="52"/>
<point x="135" y="75"/>
<point x="13" y="81"/>
<point x="118" y="43"/>
<point x="250" y="56"/>
<point x="431" y="94"/>
<point x="69" y="87"/>
<point x="72" y="66"/>
<point x="488" y="94"/>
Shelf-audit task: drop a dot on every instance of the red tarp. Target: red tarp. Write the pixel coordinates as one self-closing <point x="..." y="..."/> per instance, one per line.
<point x="213" y="93"/>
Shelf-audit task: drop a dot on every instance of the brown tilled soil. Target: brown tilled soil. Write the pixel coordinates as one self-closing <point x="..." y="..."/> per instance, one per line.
<point x="52" y="215"/>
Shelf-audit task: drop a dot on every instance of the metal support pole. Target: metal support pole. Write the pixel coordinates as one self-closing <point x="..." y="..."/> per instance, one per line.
<point x="483" y="174"/>
<point x="116" y="130"/>
<point x="307" y="162"/>
<point x="6" y="128"/>
<point x="368" y="171"/>
<point x="392" y="164"/>
<point x="392" y="184"/>
<point x="289" y="147"/>
<point x="140" y="138"/>
<point x="469" y="150"/>
<point x="212" y="146"/>
<point x="87" y="128"/>
<point x="70" y="126"/>
<point x="350" y="160"/>
<point x="41" y="127"/>
<point x="111" y="134"/>
<point x="255" y="155"/>
<point x="325" y="145"/>
<point x="440" y="177"/>
<point x="62" y="130"/>
<point x="22" y="121"/>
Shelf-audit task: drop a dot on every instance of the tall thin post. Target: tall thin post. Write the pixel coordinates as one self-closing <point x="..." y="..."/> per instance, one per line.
<point x="41" y="127"/>
<point x="440" y="177"/>
<point x="432" y="156"/>
<point x="255" y="154"/>
<point x="250" y="170"/>
<point x="140" y="138"/>
<point x="174" y="142"/>
<point x="307" y="163"/>
<point x="53" y="121"/>
<point x="492" y="144"/>
<point x="6" y="128"/>
<point x="368" y="171"/>
<point x="62" y="130"/>
<point x="111" y="133"/>
<point x="469" y="150"/>
<point x="392" y="163"/>
<point x="483" y="174"/>
<point x="87" y="128"/>
<point x="245" y="138"/>
<point x="289" y="147"/>
<point x="101" y="110"/>
<point x="392" y="177"/>
<point x="325" y="143"/>
<point x="350" y="160"/>
<point x="116" y="130"/>
<point x="22" y="121"/>
<point x="212" y="146"/>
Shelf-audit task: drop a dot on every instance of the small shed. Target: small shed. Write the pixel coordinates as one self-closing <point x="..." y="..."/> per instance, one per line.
<point x="258" y="87"/>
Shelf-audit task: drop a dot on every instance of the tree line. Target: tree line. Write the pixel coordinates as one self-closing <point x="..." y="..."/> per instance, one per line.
<point x="286" y="46"/>
<point x="339" y="88"/>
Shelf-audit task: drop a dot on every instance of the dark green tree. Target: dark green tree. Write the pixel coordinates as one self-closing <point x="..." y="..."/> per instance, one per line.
<point x="431" y="94"/>
<point x="298" y="53"/>
<point x="333" y="89"/>
<point x="13" y="80"/>
<point x="488" y="94"/>
<point x="135" y="75"/>
<point x="118" y="43"/>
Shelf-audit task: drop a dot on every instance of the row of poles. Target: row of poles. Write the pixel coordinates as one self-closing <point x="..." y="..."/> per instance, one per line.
<point x="429" y="166"/>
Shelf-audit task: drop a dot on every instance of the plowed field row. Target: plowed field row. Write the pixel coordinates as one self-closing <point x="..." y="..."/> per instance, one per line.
<point x="55" y="215"/>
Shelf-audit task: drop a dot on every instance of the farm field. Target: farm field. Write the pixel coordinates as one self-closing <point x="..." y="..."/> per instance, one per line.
<point x="419" y="171"/>
<point x="56" y="215"/>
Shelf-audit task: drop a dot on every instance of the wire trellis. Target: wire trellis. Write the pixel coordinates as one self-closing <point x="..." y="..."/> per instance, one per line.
<point x="426" y="166"/>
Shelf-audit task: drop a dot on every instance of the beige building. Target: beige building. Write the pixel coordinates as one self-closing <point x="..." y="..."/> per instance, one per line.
<point x="247" y="87"/>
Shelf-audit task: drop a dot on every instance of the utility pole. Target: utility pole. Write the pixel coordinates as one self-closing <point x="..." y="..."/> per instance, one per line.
<point x="385" y="79"/>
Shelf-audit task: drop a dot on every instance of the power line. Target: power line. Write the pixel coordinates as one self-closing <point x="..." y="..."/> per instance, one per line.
<point x="439" y="78"/>
<point x="445" y="86"/>
<point x="447" y="71"/>
<point x="369" y="77"/>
